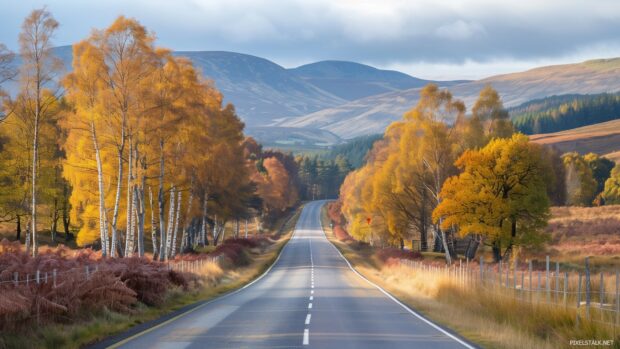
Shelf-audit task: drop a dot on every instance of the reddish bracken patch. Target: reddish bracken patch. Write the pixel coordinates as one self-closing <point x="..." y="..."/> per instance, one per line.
<point x="391" y="255"/>
<point x="84" y="283"/>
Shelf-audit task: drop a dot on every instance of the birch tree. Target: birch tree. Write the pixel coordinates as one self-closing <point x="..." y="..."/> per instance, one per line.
<point x="37" y="73"/>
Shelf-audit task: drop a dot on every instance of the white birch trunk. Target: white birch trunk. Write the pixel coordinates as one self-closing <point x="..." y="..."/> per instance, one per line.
<point x="117" y="200"/>
<point x="246" y="228"/>
<point x="153" y="226"/>
<point x="186" y="224"/>
<point x="128" y="230"/>
<point x="102" y="210"/>
<point x="170" y="224"/>
<point x="203" y="228"/>
<point x="173" y="247"/>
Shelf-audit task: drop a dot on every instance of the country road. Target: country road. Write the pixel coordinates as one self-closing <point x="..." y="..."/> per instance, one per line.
<point x="310" y="298"/>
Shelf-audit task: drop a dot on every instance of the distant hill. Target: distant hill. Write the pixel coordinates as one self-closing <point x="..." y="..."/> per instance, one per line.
<point x="373" y="114"/>
<point x="261" y="90"/>
<point x="602" y="139"/>
<point x="558" y="113"/>
<point x="350" y="80"/>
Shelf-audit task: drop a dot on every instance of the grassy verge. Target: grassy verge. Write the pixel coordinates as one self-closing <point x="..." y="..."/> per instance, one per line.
<point x="107" y="323"/>
<point x="487" y="318"/>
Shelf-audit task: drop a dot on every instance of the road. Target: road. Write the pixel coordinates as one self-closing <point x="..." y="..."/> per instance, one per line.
<point x="310" y="298"/>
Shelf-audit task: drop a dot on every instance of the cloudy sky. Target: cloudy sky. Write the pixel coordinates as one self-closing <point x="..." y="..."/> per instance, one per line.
<point x="435" y="39"/>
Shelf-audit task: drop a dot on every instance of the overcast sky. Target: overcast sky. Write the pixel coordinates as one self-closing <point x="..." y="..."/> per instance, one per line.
<point x="426" y="38"/>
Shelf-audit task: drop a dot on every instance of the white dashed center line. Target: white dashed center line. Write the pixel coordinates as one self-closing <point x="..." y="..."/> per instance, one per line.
<point x="308" y="319"/>
<point x="309" y="305"/>
<point x="306" y="337"/>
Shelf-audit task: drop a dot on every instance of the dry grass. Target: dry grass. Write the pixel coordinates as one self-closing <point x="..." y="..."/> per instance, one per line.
<point x="487" y="317"/>
<point x="578" y="232"/>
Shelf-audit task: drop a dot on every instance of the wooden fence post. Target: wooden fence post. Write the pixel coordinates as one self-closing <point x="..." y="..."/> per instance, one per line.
<point x="557" y="281"/>
<point x="578" y="300"/>
<point x="588" y="288"/>
<point x="548" y="283"/>
<point x="481" y="269"/>
<point x="16" y="278"/>
<point x="617" y="298"/>
<point x="565" y="289"/>
<point x="54" y="277"/>
<point x="601" y="297"/>
<point x="37" y="276"/>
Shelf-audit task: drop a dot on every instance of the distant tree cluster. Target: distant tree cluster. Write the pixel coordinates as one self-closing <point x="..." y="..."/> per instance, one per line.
<point x="354" y="150"/>
<point x="558" y="113"/>
<point x="321" y="178"/>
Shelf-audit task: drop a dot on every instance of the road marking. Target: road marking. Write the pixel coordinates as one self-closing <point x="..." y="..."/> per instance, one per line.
<point x="311" y="298"/>
<point x="309" y="305"/>
<point x="411" y="311"/>
<point x="311" y="291"/>
<point x="308" y="319"/>
<point x="312" y="286"/>
<point x="306" y="337"/>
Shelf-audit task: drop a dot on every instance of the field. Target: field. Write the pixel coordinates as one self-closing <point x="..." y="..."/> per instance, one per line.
<point x="602" y="139"/>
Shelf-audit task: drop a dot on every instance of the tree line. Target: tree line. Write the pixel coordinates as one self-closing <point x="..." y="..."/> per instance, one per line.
<point x="558" y="113"/>
<point x="446" y="173"/>
<point x="133" y="141"/>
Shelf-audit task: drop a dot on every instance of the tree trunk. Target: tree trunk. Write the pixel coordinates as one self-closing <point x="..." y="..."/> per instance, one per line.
<point x="246" y="228"/>
<point x="423" y="225"/>
<point x="170" y="224"/>
<point x="444" y="241"/>
<point x="402" y="244"/>
<point x="66" y="221"/>
<point x="497" y="251"/>
<point x="186" y="221"/>
<point x="140" y="212"/>
<point x="117" y="199"/>
<point x="153" y="226"/>
<point x="173" y="248"/>
<point x="160" y="202"/>
<point x="237" y="228"/>
<point x="35" y="160"/>
<point x="203" y="227"/>
<point x="102" y="211"/>
<point x="129" y="223"/>
<point x="18" y="228"/>
<point x="54" y="218"/>
<point x="472" y="248"/>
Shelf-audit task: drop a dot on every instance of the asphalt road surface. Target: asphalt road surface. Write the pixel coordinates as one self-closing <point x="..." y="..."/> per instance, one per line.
<point x="310" y="298"/>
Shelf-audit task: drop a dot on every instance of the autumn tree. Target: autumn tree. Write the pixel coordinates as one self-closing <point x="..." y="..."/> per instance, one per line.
<point x="36" y="98"/>
<point x="500" y="194"/>
<point x="580" y="182"/>
<point x="601" y="169"/>
<point x="611" y="193"/>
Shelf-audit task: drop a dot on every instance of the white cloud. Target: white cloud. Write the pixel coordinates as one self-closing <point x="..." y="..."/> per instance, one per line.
<point x="460" y="30"/>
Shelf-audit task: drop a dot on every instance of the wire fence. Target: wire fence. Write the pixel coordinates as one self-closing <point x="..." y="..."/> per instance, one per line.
<point x="53" y="276"/>
<point x="593" y="297"/>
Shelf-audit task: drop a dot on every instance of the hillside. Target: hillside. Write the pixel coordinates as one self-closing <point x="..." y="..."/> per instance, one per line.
<point x="376" y="112"/>
<point x="603" y="139"/>
<point x="564" y="112"/>
<point x="260" y="89"/>
<point x="350" y="81"/>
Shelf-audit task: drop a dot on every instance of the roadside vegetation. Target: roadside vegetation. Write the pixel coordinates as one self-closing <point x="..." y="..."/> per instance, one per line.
<point x="75" y="308"/>
<point x="478" y="192"/>
<point x="486" y="316"/>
